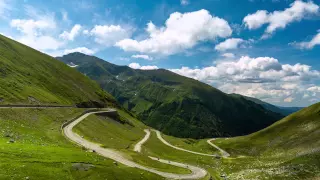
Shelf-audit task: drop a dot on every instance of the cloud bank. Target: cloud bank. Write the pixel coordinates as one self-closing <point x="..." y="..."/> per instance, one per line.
<point x="181" y="31"/>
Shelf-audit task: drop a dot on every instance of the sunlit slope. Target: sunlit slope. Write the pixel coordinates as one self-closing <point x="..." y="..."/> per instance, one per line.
<point x="298" y="133"/>
<point x="31" y="77"/>
<point x="33" y="147"/>
<point x="121" y="134"/>
<point x="287" y="150"/>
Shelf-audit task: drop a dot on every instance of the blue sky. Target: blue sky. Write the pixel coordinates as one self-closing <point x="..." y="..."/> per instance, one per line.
<point x="267" y="49"/>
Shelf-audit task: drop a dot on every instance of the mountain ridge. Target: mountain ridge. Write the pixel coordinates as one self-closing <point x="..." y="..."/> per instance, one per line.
<point x="175" y="104"/>
<point x="285" y="111"/>
<point x="297" y="134"/>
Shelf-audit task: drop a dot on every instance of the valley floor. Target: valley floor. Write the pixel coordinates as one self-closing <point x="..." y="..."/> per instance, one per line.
<point x="32" y="146"/>
<point x="196" y="173"/>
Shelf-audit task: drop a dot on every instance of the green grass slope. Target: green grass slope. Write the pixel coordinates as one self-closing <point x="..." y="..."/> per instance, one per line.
<point x="122" y="136"/>
<point x="296" y="133"/>
<point x="174" y="104"/>
<point x="288" y="149"/>
<point x="38" y="150"/>
<point x="154" y="147"/>
<point x="30" y="77"/>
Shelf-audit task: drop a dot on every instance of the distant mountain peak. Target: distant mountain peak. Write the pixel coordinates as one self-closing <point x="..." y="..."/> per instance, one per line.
<point x="278" y="109"/>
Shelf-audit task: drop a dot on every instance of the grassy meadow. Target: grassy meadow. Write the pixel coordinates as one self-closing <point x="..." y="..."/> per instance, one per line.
<point x="32" y="146"/>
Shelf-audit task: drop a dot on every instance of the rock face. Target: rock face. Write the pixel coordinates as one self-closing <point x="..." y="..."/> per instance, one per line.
<point x="32" y="100"/>
<point x="113" y="115"/>
<point x="11" y="141"/>
<point x="81" y="166"/>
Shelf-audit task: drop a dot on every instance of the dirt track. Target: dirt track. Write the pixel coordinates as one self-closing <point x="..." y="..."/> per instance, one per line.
<point x="197" y="172"/>
<point x="223" y="152"/>
<point x="178" y="148"/>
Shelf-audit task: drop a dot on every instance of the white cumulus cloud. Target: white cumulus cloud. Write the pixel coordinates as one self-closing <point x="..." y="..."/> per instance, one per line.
<point x="86" y="32"/>
<point x="33" y="33"/>
<point x="37" y="31"/>
<point x="41" y="42"/>
<point x="181" y="31"/>
<point x="83" y="50"/>
<point x="308" y="44"/>
<point x="256" y="20"/>
<point x="31" y="26"/>
<point x="138" y="66"/>
<point x="142" y="56"/>
<point x="297" y="11"/>
<point x="108" y="35"/>
<point x="72" y="34"/>
<point x="134" y="65"/>
<point x="228" y="55"/>
<point x="314" y="89"/>
<point x="232" y="43"/>
<point x="262" y="77"/>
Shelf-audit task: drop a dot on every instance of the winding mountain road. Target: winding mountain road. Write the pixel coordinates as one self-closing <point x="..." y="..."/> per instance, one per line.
<point x="178" y="148"/>
<point x="223" y="152"/>
<point x="197" y="172"/>
<point x="137" y="147"/>
<point x="21" y="106"/>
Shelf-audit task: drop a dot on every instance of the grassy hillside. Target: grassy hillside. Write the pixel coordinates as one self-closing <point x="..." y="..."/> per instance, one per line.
<point x="285" y="111"/>
<point x="31" y="143"/>
<point x="174" y="104"/>
<point x="30" y="77"/>
<point x="296" y="133"/>
<point x="33" y="147"/>
<point x="287" y="150"/>
<point x="122" y="136"/>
